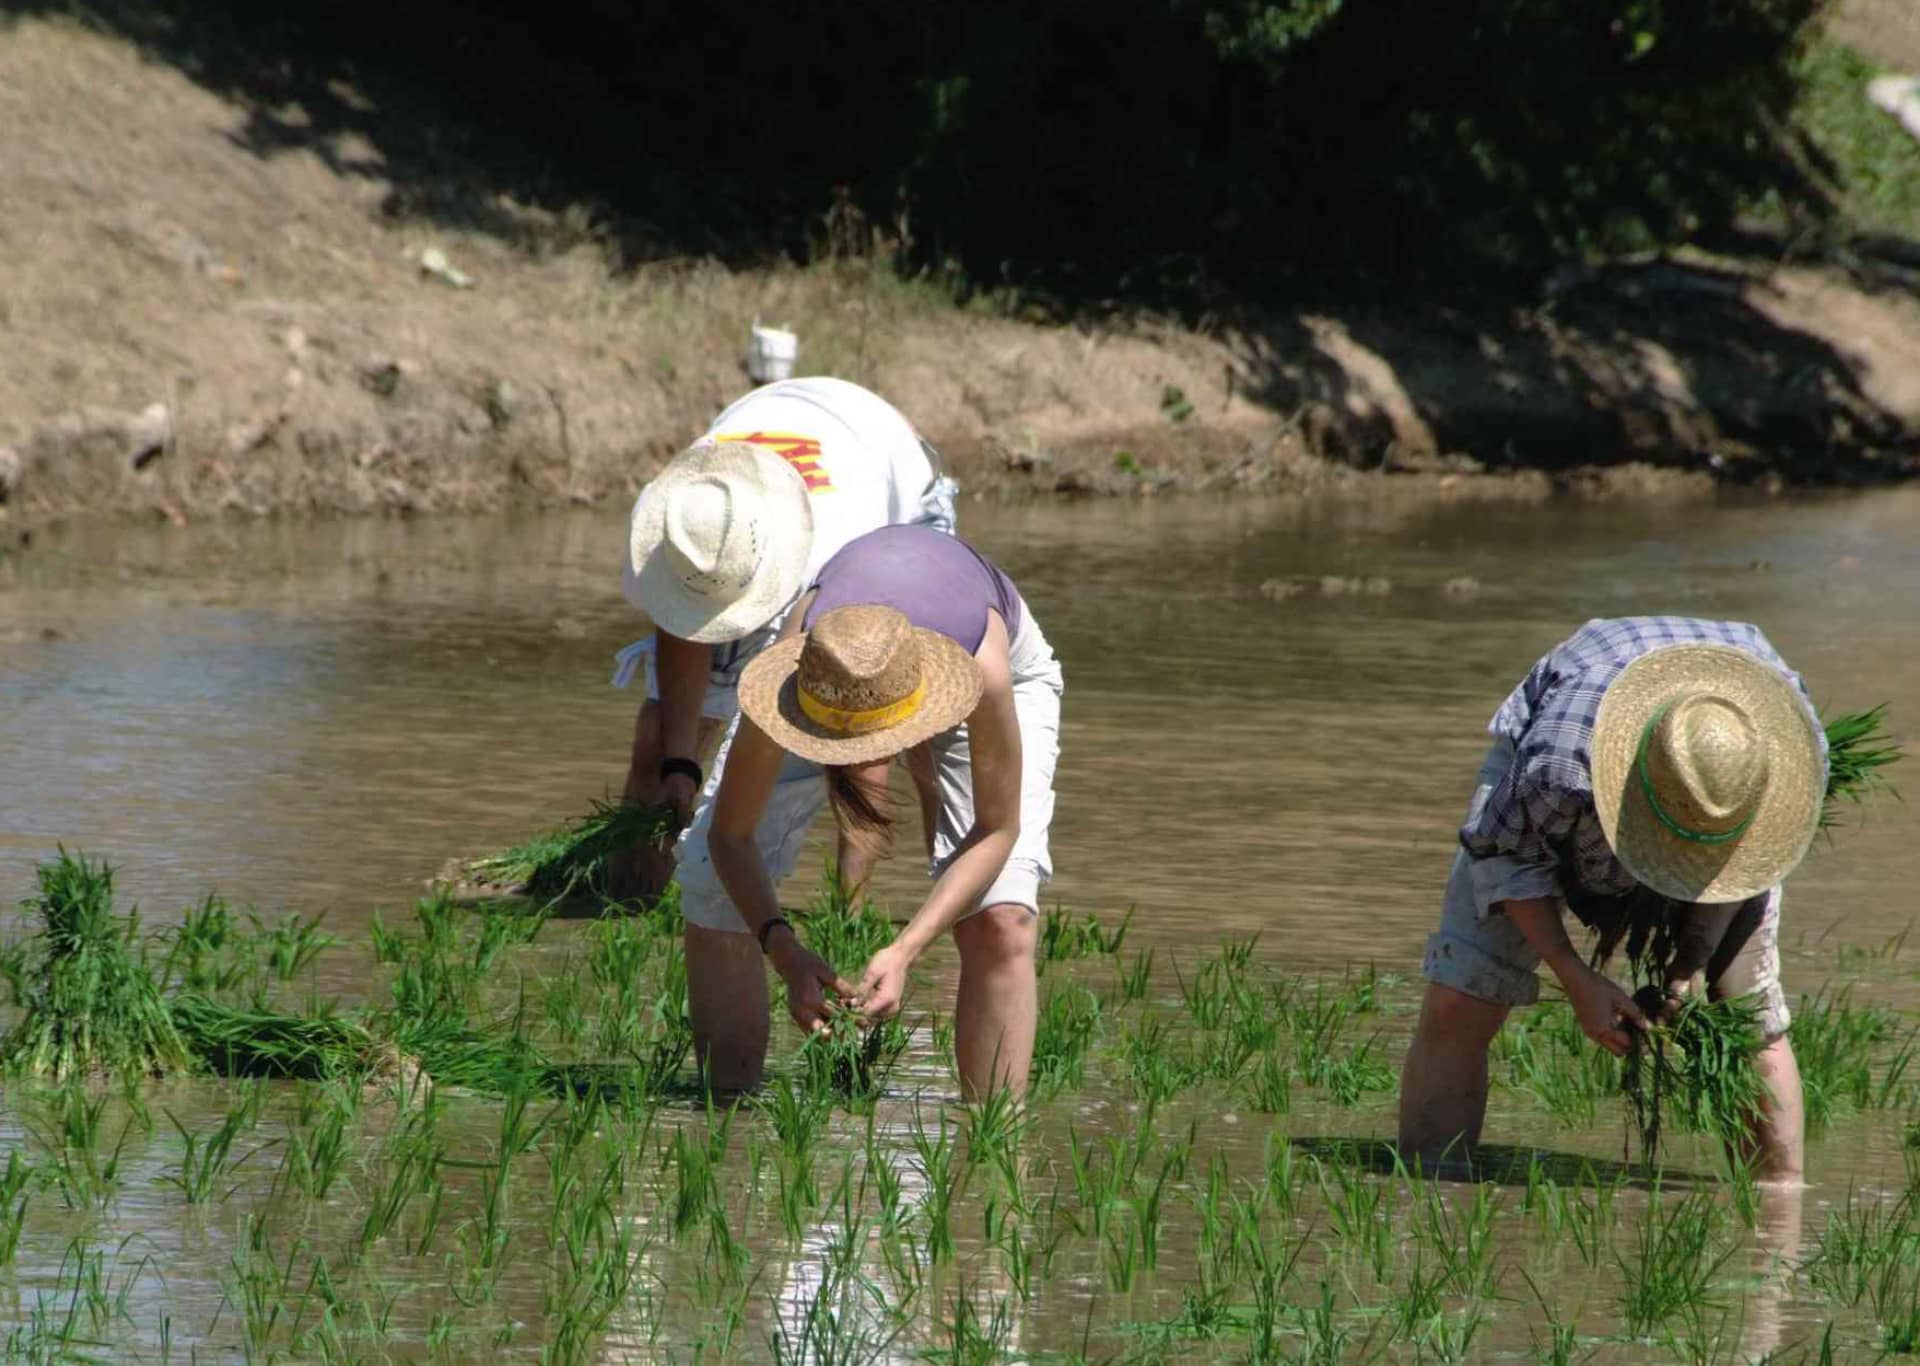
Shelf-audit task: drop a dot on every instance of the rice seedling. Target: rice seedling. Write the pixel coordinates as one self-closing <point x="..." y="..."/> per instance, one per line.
<point x="1461" y="1242"/>
<point x="1069" y="1019"/>
<point x="1548" y="1060"/>
<point x="843" y="930"/>
<point x="208" y="1157"/>
<point x="1678" y="1251"/>
<point x="289" y="948"/>
<point x="934" y="1159"/>
<point x="14" y="1183"/>
<point x="208" y="951"/>
<point x="317" y="1150"/>
<point x="1837" y="1045"/>
<point x="71" y="1131"/>
<point x="66" y="1324"/>
<point x="238" y="1042"/>
<point x="1270" y="1089"/>
<point x="974" y="1337"/>
<point x="1157" y="1068"/>
<point x="1356" y="1207"/>
<point x="573" y="858"/>
<point x="1859" y="749"/>
<point x="996" y="1125"/>
<point x="853" y="1063"/>
<point x="799" y="1120"/>
<point x="1863" y="1242"/>
<point x="90" y="1004"/>
<point x="1131" y="982"/>
<point x="257" y="1284"/>
<point x="1703" y="1063"/>
<point x="1064" y="935"/>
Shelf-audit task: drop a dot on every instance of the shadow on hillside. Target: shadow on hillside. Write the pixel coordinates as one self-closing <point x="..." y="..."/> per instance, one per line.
<point x="1676" y="365"/>
<point x="485" y="119"/>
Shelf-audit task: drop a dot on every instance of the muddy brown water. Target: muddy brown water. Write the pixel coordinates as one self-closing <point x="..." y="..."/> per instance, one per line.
<point x="317" y="716"/>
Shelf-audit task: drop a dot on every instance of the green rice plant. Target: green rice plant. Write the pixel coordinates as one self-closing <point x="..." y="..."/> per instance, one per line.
<point x="976" y="1336"/>
<point x="1069" y="1019"/>
<point x="1064" y="935"/>
<point x="90" y="1003"/>
<point x="1569" y="1215"/>
<point x="696" y="1163"/>
<point x="574" y="858"/>
<point x="1702" y="1065"/>
<point x="236" y="1042"/>
<point x="14" y="1194"/>
<point x="1865" y="1244"/>
<point x="1449" y="1337"/>
<point x="289" y="948"/>
<point x="317" y="1149"/>
<point x="799" y="1119"/>
<point x="852" y="1063"/>
<point x="1838" y="1045"/>
<point x="412" y="1160"/>
<point x="69" y="1322"/>
<point x="1557" y="1347"/>
<point x="1159" y="1062"/>
<point x="1678" y="1251"/>
<point x="208" y="950"/>
<point x="1357" y="1208"/>
<point x="997" y="1125"/>
<point x="71" y="1129"/>
<point x="934" y="1159"/>
<point x="842" y="924"/>
<point x="1130" y="983"/>
<point x="258" y="1284"/>
<point x="1460" y="1242"/>
<point x="563" y="1002"/>
<point x="1270" y="1089"/>
<point x="209" y="1157"/>
<point x="585" y="1296"/>
<point x="1859" y="749"/>
<point x="1548" y="1059"/>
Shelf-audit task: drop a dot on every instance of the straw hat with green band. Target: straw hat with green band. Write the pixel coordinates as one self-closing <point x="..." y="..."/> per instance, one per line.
<point x="862" y="685"/>
<point x="1708" y="772"/>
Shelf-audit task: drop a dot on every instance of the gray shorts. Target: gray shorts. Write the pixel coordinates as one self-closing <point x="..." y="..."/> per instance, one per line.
<point x="1482" y="954"/>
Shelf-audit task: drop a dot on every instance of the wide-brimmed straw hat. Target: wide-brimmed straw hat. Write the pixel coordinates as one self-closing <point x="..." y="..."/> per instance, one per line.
<point x="1708" y="775"/>
<point x="861" y="686"/>
<point x="719" y="541"/>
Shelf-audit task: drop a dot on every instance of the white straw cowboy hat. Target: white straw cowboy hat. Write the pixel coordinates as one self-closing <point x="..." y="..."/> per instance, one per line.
<point x="1708" y="772"/>
<point x="719" y="541"/>
<point x="863" y="685"/>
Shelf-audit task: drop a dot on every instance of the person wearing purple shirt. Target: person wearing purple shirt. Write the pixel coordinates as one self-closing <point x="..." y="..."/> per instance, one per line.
<point x="910" y="645"/>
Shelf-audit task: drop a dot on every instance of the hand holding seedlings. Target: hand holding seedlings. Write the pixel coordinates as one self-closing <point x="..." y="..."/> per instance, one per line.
<point x="1604" y="1009"/>
<point x="810" y="980"/>
<point x="884" y="984"/>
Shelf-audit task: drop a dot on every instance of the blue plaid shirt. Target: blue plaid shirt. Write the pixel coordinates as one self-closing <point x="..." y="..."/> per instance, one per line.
<point x="1541" y="814"/>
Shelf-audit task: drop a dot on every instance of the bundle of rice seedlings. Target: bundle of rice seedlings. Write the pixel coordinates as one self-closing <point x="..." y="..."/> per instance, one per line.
<point x="91" y="1003"/>
<point x="1858" y="750"/>
<point x="237" y="1042"/>
<point x="1700" y="1063"/>
<point x="573" y="858"/>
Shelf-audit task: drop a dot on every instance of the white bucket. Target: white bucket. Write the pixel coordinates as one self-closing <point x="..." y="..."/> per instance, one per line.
<point x="771" y="352"/>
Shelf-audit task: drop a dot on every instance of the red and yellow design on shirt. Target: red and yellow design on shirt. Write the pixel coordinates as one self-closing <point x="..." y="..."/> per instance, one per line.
<point x="801" y="452"/>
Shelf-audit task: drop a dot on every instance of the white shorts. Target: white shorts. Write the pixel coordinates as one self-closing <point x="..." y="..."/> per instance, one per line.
<point x="801" y="790"/>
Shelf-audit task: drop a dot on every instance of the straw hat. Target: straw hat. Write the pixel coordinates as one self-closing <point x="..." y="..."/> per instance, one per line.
<point x="862" y="685"/>
<point x="719" y="541"/>
<point x="1708" y="775"/>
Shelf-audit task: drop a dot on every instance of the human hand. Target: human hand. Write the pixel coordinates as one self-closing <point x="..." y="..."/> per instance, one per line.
<point x="677" y="794"/>
<point x="884" y="984"/>
<point x="810" y="981"/>
<point x="1604" y="1009"/>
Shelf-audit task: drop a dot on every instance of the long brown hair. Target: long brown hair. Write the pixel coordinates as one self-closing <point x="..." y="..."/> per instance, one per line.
<point x="854" y="805"/>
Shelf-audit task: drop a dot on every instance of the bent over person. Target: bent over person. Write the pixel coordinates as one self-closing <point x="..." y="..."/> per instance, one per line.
<point x="914" y="645"/>
<point x="720" y="543"/>
<point x="1650" y="770"/>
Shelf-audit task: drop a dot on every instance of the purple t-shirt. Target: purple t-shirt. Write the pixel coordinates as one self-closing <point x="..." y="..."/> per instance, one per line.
<point x="938" y="582"/>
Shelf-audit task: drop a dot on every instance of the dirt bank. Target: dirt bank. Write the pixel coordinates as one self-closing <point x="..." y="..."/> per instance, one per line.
<point x="201" y="319"/>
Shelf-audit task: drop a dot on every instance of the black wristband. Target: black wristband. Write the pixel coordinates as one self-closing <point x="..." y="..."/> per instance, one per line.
<point x="685" y="768"/>
<point x="766" y="928"/>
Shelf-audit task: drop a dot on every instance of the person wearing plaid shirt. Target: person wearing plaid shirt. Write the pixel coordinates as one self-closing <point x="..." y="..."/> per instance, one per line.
<point x="1533" y="844"/>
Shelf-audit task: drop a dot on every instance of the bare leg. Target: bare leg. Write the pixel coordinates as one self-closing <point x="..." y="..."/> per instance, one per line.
<point x="727" y="998"/>
<point x="1443" y="1086"/>
<point x="1777" y="1148"/>
<point x="998" y="1003"/>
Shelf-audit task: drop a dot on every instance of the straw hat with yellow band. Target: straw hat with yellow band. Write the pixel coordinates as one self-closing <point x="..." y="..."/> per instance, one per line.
<point x="862" y="685"/>
<point x="1708" y="772"/>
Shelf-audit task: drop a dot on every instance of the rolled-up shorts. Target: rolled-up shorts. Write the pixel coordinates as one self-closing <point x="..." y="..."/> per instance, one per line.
<point x="801" y="791"/>
<point x="1480" y="953"/>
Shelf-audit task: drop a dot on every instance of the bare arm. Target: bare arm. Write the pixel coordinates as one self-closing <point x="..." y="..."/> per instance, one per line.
<point x="753" y="767"/>
<point x="1600" y="1004"/>
<point x="993" y="733"/>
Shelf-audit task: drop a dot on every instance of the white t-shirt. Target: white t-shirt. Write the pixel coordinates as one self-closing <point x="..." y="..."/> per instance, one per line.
<point x="864" y="465"/>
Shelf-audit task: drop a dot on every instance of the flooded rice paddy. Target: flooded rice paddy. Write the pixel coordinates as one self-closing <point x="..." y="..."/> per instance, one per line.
<point x="311" y="720"/>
